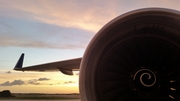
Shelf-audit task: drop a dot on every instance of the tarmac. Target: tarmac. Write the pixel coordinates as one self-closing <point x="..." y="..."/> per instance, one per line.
<point x="41" y="100"/>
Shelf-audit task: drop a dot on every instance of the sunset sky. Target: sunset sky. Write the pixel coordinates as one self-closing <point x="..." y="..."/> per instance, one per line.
<point x="53" y="30"/>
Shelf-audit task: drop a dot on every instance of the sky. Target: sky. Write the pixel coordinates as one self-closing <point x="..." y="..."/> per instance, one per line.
<point x="54" y="30"/>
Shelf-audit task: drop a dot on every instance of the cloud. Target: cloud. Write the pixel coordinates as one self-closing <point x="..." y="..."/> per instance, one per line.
<point x="85" y="15"/>
<point x="69" y="82"/>
<point x="8" y="72"/>
<point x="61" y="24"/>
<point x="34" y="27"/>
<point x="15" y="82"/>
<point x="33" y="81"/>
<point x="91" y="15"/>
<point x="41" y="35"/>
<point x="43" y="79"/>
<point x="24" y="82"/>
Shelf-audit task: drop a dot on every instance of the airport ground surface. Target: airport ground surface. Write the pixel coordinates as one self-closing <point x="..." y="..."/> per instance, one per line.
<point x="42" y="97"/>
<point x="43" y="100"/>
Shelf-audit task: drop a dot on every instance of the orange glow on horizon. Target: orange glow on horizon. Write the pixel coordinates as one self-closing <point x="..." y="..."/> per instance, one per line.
<point x="55" y="83"/>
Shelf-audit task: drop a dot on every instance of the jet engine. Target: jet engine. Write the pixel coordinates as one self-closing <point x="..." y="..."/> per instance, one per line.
<point x="135" y="57"/>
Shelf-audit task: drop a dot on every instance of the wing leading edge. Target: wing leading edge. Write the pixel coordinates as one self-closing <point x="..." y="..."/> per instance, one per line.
<point x="66" y="66"/>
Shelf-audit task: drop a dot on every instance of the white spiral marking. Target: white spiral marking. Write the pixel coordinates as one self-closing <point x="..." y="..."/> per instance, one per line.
<point x="149" y="77"/>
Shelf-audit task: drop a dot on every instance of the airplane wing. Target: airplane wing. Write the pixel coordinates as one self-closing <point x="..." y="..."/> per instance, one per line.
<point x="66" y="66"/>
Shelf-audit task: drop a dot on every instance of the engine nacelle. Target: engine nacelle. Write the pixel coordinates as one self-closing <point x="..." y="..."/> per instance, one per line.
<point x="135" y="57"/>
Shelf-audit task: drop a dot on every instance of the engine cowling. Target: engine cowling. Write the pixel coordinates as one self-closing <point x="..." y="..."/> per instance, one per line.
<point x="135" y="57"/>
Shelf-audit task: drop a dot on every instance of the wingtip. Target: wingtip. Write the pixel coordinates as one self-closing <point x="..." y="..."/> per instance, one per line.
<point x="19" y="63"/>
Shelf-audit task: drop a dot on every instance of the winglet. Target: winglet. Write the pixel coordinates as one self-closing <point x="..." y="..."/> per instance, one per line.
<point x="19" y="64"/>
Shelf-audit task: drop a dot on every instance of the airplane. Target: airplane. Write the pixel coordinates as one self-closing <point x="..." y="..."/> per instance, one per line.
<point x="134" y="57"/>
